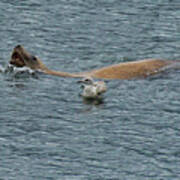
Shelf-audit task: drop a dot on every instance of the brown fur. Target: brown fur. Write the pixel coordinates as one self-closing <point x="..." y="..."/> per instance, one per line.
<point x="128" y="70"/>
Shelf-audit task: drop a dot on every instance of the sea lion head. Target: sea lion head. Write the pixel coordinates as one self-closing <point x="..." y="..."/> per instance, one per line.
<point x="20" y="58"/>
<point x="17" y="58"/>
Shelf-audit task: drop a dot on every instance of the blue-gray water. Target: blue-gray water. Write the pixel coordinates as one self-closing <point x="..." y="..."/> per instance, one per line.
<point x="48" y="132"/>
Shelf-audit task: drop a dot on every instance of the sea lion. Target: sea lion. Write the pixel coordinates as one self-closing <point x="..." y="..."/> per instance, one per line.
<point x="126" y="70"/>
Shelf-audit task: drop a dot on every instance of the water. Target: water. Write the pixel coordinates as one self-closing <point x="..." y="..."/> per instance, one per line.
<point x="48" y="132"/>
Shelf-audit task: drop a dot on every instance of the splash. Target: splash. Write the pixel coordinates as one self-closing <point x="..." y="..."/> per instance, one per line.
<point x="12" y="69"/>
<point x="2" y="69"/>
<point x="17" y="72"/>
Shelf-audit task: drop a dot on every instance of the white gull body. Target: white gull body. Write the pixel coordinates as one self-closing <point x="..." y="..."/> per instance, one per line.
<point x="92" y="89"/>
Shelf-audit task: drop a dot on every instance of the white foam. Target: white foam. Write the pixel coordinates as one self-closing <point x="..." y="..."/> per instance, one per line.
<point x="2" y="69"/>
<point x="14" y="69"/>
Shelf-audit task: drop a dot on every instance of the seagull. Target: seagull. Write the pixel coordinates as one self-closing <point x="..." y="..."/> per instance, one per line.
<point x="92" y="89"/>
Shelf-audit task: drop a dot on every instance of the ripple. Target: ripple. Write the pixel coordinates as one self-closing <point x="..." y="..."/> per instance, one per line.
<point x="48" y="132"/>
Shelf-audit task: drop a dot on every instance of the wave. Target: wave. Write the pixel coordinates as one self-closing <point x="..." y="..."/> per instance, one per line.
<point x="17" y="72"/>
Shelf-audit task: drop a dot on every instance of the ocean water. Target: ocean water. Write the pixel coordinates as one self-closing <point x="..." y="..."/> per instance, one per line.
<point x="47" y="131"/>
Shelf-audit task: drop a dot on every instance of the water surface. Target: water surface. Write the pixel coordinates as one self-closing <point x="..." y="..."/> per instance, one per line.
<point x="48" y="132"/>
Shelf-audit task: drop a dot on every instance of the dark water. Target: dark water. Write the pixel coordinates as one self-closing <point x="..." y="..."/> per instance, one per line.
<point x="48" y="132"/>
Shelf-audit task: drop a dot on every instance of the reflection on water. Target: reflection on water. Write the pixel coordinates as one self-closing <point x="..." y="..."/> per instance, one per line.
<point x="47" y="131"/>
<point x="97" y="101"/>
